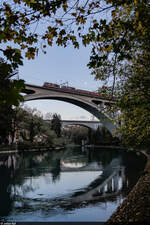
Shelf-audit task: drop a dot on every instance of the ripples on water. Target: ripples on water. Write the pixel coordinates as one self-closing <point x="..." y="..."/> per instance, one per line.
<point x="68" y="185"/>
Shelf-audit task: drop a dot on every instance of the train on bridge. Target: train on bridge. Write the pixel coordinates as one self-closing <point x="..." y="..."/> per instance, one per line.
<point x="71" y="89"/>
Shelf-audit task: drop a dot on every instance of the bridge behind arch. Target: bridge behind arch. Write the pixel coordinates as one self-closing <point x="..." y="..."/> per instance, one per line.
<point x="86" y="123"/>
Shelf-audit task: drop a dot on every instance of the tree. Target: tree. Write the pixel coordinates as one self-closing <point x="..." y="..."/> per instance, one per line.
<point x="118" y="40"/>
<point x="5" y="123"/>
<point x="32" y="124"/>
<point x="29" y="125"/>
<point x="9" y="89"/>
<point x="67" y="20"/>
<point x="19" y="23"/>
<point x="128" y="23"/>
<point x="17" y="121"/>
<point x="135" y="105"/>
<point x="48" y="116"/>
<point x="9" y="97"/>
<point x="56" y="124"/>
<point x="78" y="133"/>
<point x="114" y="39"/>
<point x="50" y="135"/>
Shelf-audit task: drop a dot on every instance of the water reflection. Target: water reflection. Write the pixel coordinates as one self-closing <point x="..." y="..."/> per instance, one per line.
<point x="60" y="184"/>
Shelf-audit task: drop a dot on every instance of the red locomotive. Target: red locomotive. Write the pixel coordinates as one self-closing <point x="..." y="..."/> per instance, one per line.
<point x="46" y="84"/>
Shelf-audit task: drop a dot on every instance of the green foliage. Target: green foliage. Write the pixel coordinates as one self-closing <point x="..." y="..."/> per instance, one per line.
<point x="32" y="125"/>
<point x="31" y="129"/>
<point x="19" y="20"/>
<point x="56" y="124"/>
<point x="9" y="89"/>
<point x="50" y="135"/>
<point x="6" y="115"/>
<point x="113" y="39"/>
<point x="70" y="20"/>
<point x="101" y="137"/>
<point x="135" y="105"/>
<point x="77" y="134"/>
<point x="59" y="142"/>
<point x="9" y="97"/>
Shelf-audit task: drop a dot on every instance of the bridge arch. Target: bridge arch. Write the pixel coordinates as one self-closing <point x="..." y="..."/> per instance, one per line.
<point x="84" y="102"/>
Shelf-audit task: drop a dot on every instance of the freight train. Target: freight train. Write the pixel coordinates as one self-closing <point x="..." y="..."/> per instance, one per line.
<point x="72" y="89"/>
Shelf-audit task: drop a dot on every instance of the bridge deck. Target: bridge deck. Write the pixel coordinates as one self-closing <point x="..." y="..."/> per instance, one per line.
<point x="72" y="92"/>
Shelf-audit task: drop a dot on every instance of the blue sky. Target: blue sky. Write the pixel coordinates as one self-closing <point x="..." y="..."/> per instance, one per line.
<point x="57" y="66"/>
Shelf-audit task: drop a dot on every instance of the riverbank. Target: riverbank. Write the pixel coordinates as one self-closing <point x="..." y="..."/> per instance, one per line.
<point x="40" y="149"/>
<point x="136" y="206"/>
<point x="15" y="149"/>
<point x="107" y="147"/>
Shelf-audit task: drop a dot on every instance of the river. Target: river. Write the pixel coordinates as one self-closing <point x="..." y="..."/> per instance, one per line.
<point x="73" y="184"/>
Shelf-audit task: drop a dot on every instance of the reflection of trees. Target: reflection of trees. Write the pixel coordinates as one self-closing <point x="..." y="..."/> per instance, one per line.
<point x="133" y="166"/>
<point x="33" y="162"/>
<point x="56" y="171"/>
<point x="5" y="194"/>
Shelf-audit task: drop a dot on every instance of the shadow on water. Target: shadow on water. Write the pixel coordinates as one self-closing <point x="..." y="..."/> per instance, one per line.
<point x="57" y="182"/>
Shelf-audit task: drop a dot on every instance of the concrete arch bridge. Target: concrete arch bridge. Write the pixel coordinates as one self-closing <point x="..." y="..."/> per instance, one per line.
<point x="91" y="103"/>
<point x="89" y="124"/>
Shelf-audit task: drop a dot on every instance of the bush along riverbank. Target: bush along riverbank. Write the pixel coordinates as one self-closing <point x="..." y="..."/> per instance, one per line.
<point x="136" y="207"/>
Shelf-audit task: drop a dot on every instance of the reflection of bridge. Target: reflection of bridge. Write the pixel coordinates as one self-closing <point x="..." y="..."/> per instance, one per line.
<point x="108" y="188"/>
<point x="90" y="124"/>
<point x="108" y="184"/>
<point x="93" y="104"/>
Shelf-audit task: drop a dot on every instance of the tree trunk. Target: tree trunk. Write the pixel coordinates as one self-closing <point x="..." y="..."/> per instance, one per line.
<point x="147" y="167"/>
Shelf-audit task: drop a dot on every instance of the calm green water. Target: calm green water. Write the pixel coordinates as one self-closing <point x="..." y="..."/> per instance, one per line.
<point x="69" y="185"/>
